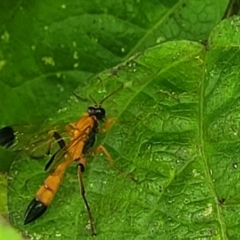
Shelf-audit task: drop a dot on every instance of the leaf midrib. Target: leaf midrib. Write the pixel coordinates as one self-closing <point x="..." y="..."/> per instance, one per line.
<point x="207" y="169"/>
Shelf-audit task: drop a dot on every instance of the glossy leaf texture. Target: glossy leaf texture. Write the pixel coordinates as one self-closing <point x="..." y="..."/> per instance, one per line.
<point x="178" y="135"/>
<point x="46" y="50"/>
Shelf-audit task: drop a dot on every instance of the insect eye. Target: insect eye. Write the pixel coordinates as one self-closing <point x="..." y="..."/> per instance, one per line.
<point x="101" y="113"/>
<point x="91" y="110"/>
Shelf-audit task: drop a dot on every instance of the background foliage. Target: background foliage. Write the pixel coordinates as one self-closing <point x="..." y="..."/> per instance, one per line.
<point x="179" y="124"/>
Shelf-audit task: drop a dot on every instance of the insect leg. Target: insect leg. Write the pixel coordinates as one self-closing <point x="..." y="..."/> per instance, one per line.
<point x="57" y="137"/>
<point x="82" y="191"/>
<point x="101" y="148"/>
<point x="61" y="144"/>
<point x="109" y="123"/>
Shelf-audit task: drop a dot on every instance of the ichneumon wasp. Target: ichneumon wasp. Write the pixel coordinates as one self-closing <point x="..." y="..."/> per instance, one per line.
<point x="82" y="136"/>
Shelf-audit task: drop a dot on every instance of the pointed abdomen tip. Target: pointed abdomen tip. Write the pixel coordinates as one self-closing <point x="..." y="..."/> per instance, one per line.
<point x="35" y="210"/>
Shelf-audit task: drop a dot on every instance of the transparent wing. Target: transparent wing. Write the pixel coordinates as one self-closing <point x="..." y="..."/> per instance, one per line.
<point x="59" y="155"/>
<point x="35" y="140"/>
<point x="38" y="141"/>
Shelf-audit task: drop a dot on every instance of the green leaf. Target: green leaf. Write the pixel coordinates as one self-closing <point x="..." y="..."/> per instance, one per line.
<point x="7" y="232"/>
<point x="178" y="135"/>
<point x="3" y="194"/>
<point x="46" y="50"/>
<point x="178" y="131"/>
<point x="153" y="141"/>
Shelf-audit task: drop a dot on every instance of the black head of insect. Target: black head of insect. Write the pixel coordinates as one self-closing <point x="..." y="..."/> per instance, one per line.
<point x="97" y="110"/>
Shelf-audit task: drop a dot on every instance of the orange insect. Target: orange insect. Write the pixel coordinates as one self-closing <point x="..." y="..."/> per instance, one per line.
<point x="82" y="138"/>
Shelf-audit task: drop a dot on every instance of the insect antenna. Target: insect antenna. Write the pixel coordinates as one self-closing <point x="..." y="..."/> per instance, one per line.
<point x="103" y="100"/>
<point x="93" y="100"/>
<point x="109" y="95"/>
